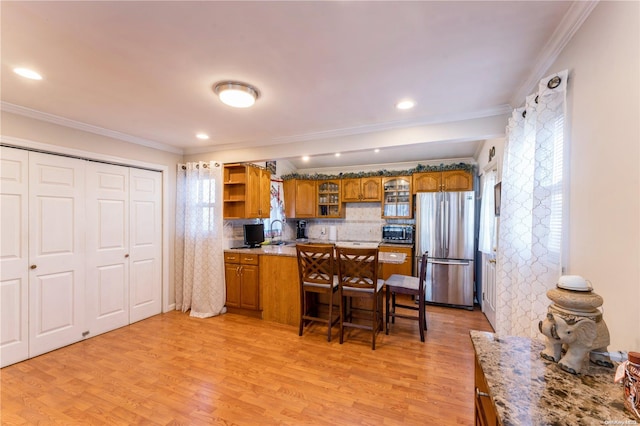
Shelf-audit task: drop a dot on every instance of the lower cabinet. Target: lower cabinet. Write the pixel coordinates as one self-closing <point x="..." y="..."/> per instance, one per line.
<point x="485" y="412"/>
<point x="404" y="268"/>
<point x="242" y="279"/>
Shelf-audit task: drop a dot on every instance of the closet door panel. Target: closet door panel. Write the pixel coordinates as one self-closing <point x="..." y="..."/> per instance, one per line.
<point x="146" y="244"/>
<point x="107" y="289"/>
<point x="14" y="260"/>
<point x="56" y="252"/>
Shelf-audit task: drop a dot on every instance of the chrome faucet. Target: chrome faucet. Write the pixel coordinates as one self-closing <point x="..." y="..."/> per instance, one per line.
<point x="271" y="227"/>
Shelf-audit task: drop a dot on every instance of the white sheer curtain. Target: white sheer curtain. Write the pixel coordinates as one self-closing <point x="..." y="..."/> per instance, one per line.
<point x="199" y="272"/>
<point x="530" y="233"/>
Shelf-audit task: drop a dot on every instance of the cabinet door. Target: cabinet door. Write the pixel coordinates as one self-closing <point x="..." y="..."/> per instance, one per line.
<point x="252" y="206"/>
<point x="328" y="198"/>
<point x="232" y="282"/>
<point x="305" y="198"/>
<point x="371" y="189"/>
<point x="457" y="180"/>
<point x="250" y="287"/>
<point x="14" y="260"/>
<point x="426" y="182"/>
<point x="56" y="251"/>
<point x="265" y="193"/>
<point x="351" y="190"/>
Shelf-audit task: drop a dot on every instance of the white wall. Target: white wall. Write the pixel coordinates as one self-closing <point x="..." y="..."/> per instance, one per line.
<point x="29" y="129"/>
<point x="604" y="205"/>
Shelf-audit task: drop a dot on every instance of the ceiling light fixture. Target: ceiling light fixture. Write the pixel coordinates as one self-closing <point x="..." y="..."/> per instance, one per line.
<point x="337" y="154"/>
<point x="377" y="150"/>
<point x="236" y="94"/>
<point x="406" y="104"/>
<point x="305" y="158"/>
<point x="202" y="136"/>
<point x="27" y="73"/>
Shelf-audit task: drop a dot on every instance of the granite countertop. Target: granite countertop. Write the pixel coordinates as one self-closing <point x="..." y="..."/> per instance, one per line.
<point x="290" y="250"/>
<point x="528" y="390"/>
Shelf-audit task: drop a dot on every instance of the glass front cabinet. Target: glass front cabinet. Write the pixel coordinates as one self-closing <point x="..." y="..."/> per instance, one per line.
<point x="396" y="200"/>
<point x="329" y="202"/>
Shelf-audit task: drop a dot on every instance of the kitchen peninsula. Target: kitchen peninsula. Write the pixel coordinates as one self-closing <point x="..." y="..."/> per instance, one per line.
<point x="263" y="282"/>
<point x="515" y="386"/>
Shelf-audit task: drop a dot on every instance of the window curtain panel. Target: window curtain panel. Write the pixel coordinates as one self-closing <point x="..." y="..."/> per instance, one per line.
<point x="277" y="206"/>
<point x="199" y="269"/>
<point x="529" y="237"/>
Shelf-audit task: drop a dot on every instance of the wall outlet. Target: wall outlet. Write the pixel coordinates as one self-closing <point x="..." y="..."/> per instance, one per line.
<point x="323" y="231"/>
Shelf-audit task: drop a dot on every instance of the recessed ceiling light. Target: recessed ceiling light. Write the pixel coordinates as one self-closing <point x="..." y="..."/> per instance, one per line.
<point x="202" y="136"/>
<point x="236" y="94"/>
<point x="376" y="150"/>
<point x="305" y="158"/>
<point x="337" y="154"/>
<point x="406" y="104"/>
<point x="27" y="73"/>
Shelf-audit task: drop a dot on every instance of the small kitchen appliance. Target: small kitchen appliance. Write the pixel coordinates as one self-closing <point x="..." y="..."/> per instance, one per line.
<point x="397" y="233"/>
<point x="301" y="230"/>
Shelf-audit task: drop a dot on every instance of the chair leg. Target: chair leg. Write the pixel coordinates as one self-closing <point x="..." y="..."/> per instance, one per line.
<point x="374" y="323"/>
<point x="422" y="319"/>
<point x="393" y="308"/>
<point x="342" y="315"/>
<point x="386" y="315"/>
<point x="330" y="316"/>
<point x="302" y="311"/>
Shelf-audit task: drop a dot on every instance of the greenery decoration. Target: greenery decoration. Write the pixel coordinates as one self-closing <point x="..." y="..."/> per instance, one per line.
<point x="384" y="173"/>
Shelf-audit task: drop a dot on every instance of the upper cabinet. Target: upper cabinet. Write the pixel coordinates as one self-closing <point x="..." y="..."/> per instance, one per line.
<point x="300" y="198"/>
<point x="396" y="202"/>
<point x="366" y="189"/>
<point x="328" y="199"/>
<point x="247" y="192"/>
<point x="449" y="180"/>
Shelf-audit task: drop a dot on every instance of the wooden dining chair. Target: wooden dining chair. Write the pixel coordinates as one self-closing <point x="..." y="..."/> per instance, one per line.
<point x="358" y="279"/>
<point x="413" y="286"/>
<point x="316" y="271"/>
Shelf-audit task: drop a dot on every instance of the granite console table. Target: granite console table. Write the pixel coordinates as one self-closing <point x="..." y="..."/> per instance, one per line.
<point x="525" y="389"/>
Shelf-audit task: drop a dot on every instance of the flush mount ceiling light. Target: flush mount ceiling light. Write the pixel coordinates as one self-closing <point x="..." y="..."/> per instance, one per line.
<point x="406" y="104"/>
<point x="27" y="73"/>
<point x="236" y="94"/>
<point x="202" y="136"/>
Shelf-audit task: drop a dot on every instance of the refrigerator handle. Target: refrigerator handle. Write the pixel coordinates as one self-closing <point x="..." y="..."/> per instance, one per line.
<point x="441" y="225"/>
<point x="446" y="226"/>
<point x="449" y="262"/>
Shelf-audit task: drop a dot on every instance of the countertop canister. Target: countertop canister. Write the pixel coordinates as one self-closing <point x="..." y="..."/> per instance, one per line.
<point x="631" y="383"/>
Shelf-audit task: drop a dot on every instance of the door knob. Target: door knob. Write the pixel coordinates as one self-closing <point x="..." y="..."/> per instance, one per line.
<point x="126" y="255"/>
<point x="33" y="266"/>
<point x="492" y="261"/>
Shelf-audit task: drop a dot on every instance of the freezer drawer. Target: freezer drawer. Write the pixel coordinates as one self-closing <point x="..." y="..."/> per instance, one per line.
<point x="450" y="282"/>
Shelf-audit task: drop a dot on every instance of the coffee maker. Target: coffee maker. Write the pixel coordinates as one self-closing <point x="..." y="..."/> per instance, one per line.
<point x="301" y="230"/>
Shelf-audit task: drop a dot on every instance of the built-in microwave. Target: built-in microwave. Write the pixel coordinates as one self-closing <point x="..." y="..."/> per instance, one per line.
<point x="401" y="234"/>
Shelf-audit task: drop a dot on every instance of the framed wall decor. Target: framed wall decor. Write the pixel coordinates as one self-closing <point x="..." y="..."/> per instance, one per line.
<point x="271" y="166"/>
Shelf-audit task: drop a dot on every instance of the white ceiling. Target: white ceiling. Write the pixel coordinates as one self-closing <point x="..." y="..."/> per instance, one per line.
<point x="143" y="71"/>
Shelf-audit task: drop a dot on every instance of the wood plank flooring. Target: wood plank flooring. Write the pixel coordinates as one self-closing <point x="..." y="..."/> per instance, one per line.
<point x="236" y="370"/>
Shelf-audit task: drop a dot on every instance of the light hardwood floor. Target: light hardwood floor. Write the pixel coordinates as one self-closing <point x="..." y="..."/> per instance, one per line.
<point x="174" y="369"/>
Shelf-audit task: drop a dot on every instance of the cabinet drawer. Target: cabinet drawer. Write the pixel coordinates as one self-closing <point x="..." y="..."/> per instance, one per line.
<point x="232" y="257"/>
<point x="248" y="259"/>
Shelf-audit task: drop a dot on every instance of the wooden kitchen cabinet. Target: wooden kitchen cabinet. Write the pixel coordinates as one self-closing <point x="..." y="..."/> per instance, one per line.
<point x="242" y="280"/>
<point x="397" y="200"/>
<point x="328" y="199"/>
<point x="246" y="192"/>
<point x="366" y="189"/>
<point x="449" y="180"/>
<point x="404" y="268"/>
<point x="299" y="198"/>
<point x="485" y="412"/>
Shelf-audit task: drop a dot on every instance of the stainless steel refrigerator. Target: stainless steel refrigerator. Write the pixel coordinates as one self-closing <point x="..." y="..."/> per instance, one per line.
<point x="445" y="228"/>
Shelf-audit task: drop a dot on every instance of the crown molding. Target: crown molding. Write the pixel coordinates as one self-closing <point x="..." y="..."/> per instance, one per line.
<point x="571" y="22"/>
<point x="351" y="131"/>
<point x="61" y="121"/>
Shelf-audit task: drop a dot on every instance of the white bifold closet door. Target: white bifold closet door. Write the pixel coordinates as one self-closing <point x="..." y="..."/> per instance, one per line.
<point x="124" y="246"/>
<point x="56" y="251"/>
<point x="81" y="250"/>
<point x="14" y="256"/>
